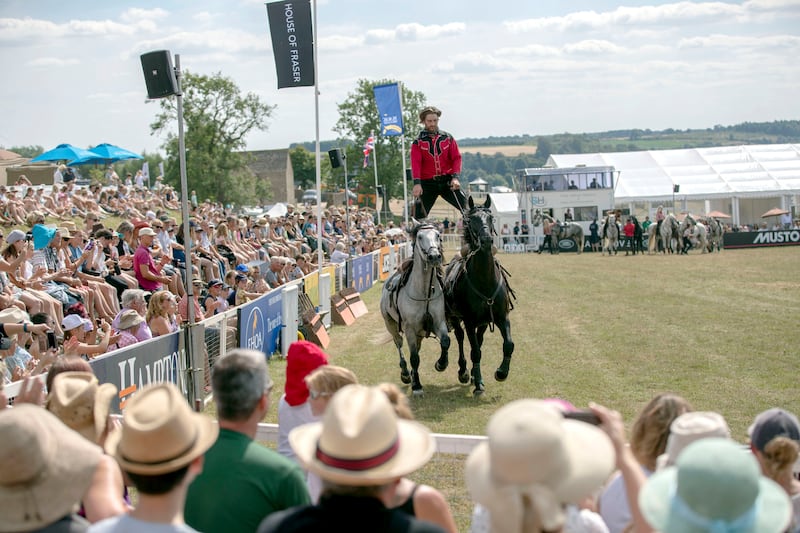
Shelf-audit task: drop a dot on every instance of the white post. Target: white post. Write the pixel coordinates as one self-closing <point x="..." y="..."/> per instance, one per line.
<point x="320" y="256"/>
<point x="375" y="168"/>
<point x="290" y="317"/>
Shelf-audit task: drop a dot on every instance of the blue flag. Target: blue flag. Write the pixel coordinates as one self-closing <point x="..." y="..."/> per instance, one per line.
<point x="387" y="98"/>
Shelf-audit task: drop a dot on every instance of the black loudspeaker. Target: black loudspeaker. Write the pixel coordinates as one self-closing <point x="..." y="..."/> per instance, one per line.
<point x="337" y="157"/>
<point x="159" y="76"/>
<point x="676" y="188"/>
<point x="379" y="191"/>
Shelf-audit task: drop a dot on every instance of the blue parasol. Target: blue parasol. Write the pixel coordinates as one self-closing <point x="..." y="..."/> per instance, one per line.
<point x="63" y="152"/>
<point x="107" y="154"/>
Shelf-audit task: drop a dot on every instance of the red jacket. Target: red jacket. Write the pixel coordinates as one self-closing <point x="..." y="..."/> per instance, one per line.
<point x="629" y="229"/>
<point x="434" y="155"/>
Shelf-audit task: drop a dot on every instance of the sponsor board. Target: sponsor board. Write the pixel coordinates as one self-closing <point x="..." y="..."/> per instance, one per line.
<point x="260" y="323"/>
<point x="761" y="239"/>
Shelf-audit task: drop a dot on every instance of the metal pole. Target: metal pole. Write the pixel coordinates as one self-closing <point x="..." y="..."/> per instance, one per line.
<point x="403" y="153"/>
<point x="187" y="239"/>
<point x="320" y="256"/>
<point x="375" y="168"/>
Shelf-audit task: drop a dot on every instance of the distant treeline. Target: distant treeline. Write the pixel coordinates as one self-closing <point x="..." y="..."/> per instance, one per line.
<point x="499" y="169"/>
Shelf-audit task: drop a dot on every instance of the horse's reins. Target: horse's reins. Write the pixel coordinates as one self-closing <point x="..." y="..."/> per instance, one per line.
<point x="475" y="240"/>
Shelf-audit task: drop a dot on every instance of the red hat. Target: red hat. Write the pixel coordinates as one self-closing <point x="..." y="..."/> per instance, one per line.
<point x="303" y="358"/>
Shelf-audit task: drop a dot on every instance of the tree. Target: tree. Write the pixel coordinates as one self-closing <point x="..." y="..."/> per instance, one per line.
<point x="358" y="117"/>
<point x="304" y="165"/>
<point x="27" y="151"/>
<point x="217" y="120"/>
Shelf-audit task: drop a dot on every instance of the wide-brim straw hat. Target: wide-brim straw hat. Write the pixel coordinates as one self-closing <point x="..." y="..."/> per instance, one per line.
<point x="45" y="468"/>
<point x="160" y="433"/>
<point x="81" y="402"/>
<point x="688" y="428"/>
<point x="714" y="485"/>
<point x="360" y="441"/>
<point x="534" y="454"/>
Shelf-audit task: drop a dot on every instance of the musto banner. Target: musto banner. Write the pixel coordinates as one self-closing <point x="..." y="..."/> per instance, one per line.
<point x="760" y="239"/>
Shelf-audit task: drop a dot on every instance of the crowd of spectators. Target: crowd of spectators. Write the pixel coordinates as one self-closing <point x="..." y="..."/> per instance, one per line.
<point x="346" y="452"/>
<point x="66" y="257"/>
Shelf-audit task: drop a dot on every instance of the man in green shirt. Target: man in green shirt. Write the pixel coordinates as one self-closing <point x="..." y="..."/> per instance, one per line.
<point x="242" y="481"/>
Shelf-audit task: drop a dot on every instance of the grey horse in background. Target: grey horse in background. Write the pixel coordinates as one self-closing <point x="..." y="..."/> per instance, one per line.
<point x="670" y="229"/>
<point x="610" y="232"/>
<point x="412" y="302"/>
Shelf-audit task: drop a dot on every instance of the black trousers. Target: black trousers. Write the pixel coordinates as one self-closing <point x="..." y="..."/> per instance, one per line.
<point x="433" y="189"/>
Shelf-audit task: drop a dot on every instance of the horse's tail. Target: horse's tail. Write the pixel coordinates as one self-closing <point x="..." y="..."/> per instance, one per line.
<point x="383" y="337"/>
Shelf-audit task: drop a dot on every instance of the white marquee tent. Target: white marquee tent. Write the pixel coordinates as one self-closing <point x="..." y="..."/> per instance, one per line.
<point x="733" y="178"/>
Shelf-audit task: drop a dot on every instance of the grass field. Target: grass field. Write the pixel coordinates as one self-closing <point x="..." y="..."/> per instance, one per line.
<point x="720" y="330"/>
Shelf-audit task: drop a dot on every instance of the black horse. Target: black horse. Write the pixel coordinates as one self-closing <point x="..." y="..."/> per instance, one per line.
<point x="478" y="296"/>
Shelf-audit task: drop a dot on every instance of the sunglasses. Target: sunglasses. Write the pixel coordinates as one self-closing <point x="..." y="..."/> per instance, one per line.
<point x="314" y="395"/>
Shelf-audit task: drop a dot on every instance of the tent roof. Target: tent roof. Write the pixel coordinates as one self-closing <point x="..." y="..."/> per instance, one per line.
<point x="505" y="202"/>
<point x="750" y="170"/>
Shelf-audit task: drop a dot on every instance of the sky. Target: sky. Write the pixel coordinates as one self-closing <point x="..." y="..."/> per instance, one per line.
<point x="72" y="73"/>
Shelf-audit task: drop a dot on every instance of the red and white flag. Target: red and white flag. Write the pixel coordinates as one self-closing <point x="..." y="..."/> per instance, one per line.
<point x="368" y="147"/>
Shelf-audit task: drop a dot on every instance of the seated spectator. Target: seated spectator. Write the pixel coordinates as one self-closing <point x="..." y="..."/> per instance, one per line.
<point x="19" y="363"/>
<point x="775" y="442"/>
<point x="213" y="301"/>
<point x="648" y="440"/>
<point x="257" y="481"/>
<point x="45" y="470"/>
<point x="83" y="404"/>
<point x="183" y="304"/>
<point x="536" y="467"/>
<point x="339" y="254"/>
<point x="714" y="487"/>
<point x="348" y="450"/>
<point x="161" y="313"/>
<point x="416" y="499"/>
<point x="78" y="342"/>
<point x="134" y="299"/>
<point x="160" y="447"/>
<point x="294" y="408"/>
<point x="129" y="323"/>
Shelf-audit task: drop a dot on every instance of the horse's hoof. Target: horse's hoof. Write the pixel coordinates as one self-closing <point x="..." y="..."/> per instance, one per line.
<point x="500" y="376"/>
<point x="477" y="392"/>
<point x="418" y="392"/>
<point x="464" y="378"/>
<point x="440" y="367"/>
<point x="405" y="377"/>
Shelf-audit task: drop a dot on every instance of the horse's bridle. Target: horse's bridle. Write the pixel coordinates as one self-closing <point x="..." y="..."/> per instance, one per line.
<point x="474" y="240"/>
<point x="427" y="253"/>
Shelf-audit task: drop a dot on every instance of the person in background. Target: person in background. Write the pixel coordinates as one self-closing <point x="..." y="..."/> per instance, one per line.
<point x="416" y="499"/>
<point x="161" y="313"/>
<point x="129" y="323"/>
<point x="214" y="302"/>
<point x="322" y="384"/>
<point x="648" y="440"/>
<point x="435" y="166"/>
<point x="45" y="470"/>
<point x="134" y="299"/>
<point x="160" y="447"/>
<point x="83" y="404"/>
<point x="257" y="481"/>
<point x="535" y="469"/>
<point x="361" y="450"/>
<point x="775" y="443"/>
<point x="294" y="408"/>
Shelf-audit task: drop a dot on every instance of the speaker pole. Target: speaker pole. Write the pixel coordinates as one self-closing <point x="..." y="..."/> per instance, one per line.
<point x="184" y="190"/>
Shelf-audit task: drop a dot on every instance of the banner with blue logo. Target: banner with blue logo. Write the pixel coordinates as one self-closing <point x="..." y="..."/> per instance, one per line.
<point x="260" y="323"/>
<point x="362" y="272"/>
<point x="390" y="109"/>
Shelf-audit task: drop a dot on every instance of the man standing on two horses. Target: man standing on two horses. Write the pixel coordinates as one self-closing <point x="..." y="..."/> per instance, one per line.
<point x="435" y="165"/>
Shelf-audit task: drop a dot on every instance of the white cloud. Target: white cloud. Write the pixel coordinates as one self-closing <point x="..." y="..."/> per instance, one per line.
<point x="134" y="15"/>
<point x="741" y="41"/>
<point x="593" y="47"/>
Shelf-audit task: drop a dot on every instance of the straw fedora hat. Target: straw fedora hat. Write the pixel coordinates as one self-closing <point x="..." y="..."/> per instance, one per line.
<point x="714" y="485"/>
<point x="160" y="432"/>
<point x="130" y="318"/>
<point x="360" y="440"/>
<point x="45" y="468"/>
<point x="533" y="453"/>
<point x="81" y="402"/>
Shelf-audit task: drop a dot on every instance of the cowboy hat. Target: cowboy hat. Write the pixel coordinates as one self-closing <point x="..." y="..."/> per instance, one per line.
<point x="45" y="468"/>
<point x="688" y="428"/>
<point x="81" y="402"/>
<point x="533" y="452"/>
<point x="714" y="484"/>
<point x="13" y="315"/>
<point x="360" y="440"/>
<point x="160" y="433"/>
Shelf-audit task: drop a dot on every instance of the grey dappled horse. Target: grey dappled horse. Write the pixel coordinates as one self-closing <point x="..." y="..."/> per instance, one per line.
<point x="610" y="232"/>
<point x="699" y="231"/>
<point x="413" y="303"/>
<point x="570" y="230"/>
<point x="715" y="234"/>
<point x="670" y="229"/>
<point x="478" y="295"/>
